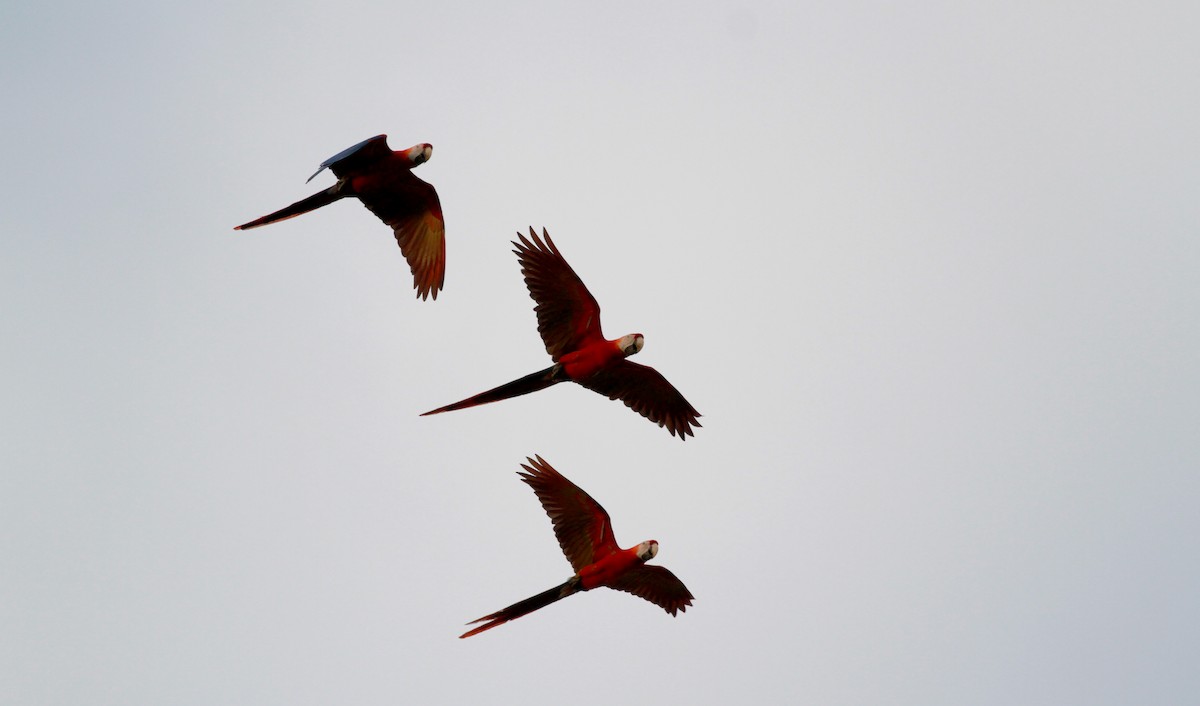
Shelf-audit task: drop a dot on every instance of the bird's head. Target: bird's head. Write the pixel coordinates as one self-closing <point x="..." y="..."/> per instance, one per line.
<point x="631" y="344"/>
<point x="647" y="550"/>
<point x="419" y="154"/>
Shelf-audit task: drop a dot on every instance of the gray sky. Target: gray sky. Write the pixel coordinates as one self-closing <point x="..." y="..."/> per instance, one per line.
<point x="929" y="274"/>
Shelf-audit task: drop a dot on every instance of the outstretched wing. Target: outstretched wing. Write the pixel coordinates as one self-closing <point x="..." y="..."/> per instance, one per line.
<point x="657" y="585"/>
<point x="568" y="315"/>
<point x="355" y="157"/>
<point x="644" y="390"/>
<point x="583" y="529"/>
<point x="412" y="208"/>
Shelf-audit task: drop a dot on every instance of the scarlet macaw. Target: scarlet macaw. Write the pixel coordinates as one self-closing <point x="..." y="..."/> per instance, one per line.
<point x="585" y="534"/>
<point x="569" y="322"/>
<point x="383" y="180"/>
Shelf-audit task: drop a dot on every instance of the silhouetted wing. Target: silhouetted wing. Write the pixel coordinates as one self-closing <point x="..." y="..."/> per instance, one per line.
<point x="568" y="315"/>
<point x="644" y="390"/>
<point x="657" y="585"/>
<point x="583" y="529"/>
<point x="412" y="208"/>
<point x="355" y="157"/>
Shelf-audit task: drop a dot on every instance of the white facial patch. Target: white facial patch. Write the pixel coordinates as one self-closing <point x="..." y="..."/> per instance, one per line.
<point x="419" y="154"/>
<point x="632" y="343"/>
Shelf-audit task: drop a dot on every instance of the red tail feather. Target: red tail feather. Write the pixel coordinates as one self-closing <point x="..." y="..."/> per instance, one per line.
<point x="317" y="200"/>
<point x="524" y="607"/>
<point x="523" y="386"/>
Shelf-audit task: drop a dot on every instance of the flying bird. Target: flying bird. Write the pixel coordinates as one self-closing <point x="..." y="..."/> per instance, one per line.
<point x="383" y="180"/>
<point x="569" y="322"/>
<point x="585" y="534"/>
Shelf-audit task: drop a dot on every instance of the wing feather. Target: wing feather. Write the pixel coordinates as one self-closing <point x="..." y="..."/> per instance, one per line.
<point x="356" y="157"/>
<point x="644" y="390"/>
<point x="568" y="315"/>
<point x="583" y="528"/>
<point x="412" y="208"/>
<point x="656" y="584"/>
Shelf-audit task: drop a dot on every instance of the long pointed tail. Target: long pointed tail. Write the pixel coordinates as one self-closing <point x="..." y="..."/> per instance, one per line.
<point x="317" y="200"/>
<point x="524" y="607"/>
<point x="530" y="383"/>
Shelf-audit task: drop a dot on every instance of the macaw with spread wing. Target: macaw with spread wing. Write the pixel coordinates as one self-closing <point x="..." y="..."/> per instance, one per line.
<point x="585" y="534"/>
<point x="569" y="322"/>
<point x="383" y="180"/>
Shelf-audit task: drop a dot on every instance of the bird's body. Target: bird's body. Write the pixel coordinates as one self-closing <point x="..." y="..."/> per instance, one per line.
<point x="609" y="569"/>
<point x="383" y="181"/>
<point x="585" y="535"/>
<point x="582" y="363"/>
<point x="569" y="323"/>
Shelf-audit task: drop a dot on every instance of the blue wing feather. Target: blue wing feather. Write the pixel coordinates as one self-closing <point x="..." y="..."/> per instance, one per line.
<point x="344" y="154"/>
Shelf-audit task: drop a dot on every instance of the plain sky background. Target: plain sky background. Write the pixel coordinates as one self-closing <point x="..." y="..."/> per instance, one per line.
<point x="930" y="272"/>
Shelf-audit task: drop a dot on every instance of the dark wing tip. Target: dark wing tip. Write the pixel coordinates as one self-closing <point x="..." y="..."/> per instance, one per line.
<point x="535" y="242"/>
<point x="537" y="469"/>
<point x="681" y="606"/>
<point x="683" y="427"/>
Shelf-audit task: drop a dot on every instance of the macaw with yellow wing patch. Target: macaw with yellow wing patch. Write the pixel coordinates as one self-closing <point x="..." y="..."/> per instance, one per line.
<point x="383" y="181"/>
